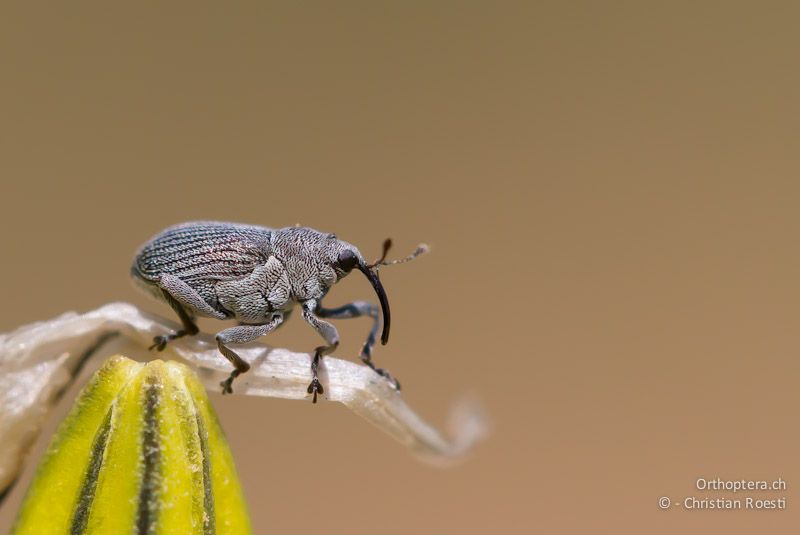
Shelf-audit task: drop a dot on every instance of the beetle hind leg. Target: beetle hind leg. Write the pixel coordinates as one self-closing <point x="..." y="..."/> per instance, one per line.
<point x="185" y="301"/>
<point x="189" y="326"/>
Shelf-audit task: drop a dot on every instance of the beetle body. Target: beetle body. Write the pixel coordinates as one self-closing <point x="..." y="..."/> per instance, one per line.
<point x="242" y="272"/>
<point x="256" y="275"/>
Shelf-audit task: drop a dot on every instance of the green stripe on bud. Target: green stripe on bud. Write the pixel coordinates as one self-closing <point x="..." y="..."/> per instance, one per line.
<point x="140" y="452"/>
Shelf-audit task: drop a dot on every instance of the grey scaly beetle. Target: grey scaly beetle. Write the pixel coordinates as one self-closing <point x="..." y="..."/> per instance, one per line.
<point x="256" y="275"/>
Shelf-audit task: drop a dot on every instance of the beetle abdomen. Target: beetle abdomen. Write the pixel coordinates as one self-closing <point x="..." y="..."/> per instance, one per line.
<point x="203" y="251"/>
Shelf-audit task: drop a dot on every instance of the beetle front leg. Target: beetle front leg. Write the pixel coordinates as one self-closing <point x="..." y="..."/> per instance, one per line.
<point x="331" y="336"/>
<point x="241" y="334"/>
<point x="357" y="309"/>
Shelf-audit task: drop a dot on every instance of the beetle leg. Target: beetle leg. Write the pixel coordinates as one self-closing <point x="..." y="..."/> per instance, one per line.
<point x="188" y="296"/>
<point x="189" y="326"/>
<point x="241" y="334"/>
<point x="331" y="336"/>
<point x="184" y="300"/>
<point x="357" y="309"/>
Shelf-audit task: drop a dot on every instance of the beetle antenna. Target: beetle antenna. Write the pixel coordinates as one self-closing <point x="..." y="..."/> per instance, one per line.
<point x="422" y="248"/>
<point x="387" y="244"/>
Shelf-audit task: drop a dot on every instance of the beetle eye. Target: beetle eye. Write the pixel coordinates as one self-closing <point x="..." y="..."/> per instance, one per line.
<point x="347" y="260"/>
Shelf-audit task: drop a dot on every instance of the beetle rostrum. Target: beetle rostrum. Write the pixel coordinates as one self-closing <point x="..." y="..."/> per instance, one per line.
<point x="256" y="275"/>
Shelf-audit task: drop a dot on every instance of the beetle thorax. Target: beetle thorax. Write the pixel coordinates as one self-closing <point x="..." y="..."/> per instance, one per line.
<point x="309" y="257"/>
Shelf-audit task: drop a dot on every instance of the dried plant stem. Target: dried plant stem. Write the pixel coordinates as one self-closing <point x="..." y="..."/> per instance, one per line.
<point x="38" y="361"/>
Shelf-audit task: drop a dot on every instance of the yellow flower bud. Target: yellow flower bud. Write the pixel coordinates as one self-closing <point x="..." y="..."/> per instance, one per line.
<point x="140" y="452"/>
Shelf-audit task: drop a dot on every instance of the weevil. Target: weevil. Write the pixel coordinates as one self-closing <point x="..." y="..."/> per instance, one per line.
<point x="256" y="275"/>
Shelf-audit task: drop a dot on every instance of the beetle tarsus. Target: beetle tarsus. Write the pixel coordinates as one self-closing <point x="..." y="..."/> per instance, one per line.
<point x="315" y="387"/>
<point x="386" y="375"/>
<point x="160" y="342"/>
<point x="367" y="359"/>
<point x="240" y="366"/>
<point x="189" y="326"/>
<point x="227" y="384"/>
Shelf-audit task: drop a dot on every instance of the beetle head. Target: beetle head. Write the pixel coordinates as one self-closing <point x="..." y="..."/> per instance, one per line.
<point x="371" y="272"/>
<point x="348" y="257"/>
<point x="343" y="258"/>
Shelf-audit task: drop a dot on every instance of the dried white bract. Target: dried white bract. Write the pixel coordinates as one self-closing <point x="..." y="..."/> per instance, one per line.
<point x="38" y="361"/>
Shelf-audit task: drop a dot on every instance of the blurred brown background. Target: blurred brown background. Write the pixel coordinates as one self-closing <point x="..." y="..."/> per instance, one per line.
<point x="610" y="190"/>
